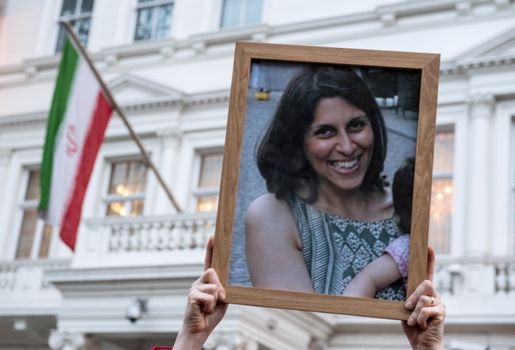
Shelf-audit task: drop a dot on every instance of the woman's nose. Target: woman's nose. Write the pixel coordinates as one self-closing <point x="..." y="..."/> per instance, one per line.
<point x="345" y="144"/>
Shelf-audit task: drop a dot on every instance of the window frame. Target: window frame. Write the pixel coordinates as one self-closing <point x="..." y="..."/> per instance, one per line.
<point x="22" y="205"/>
<point x="107" y="198"/>
<point x="196" y="191"/>
<point x="72" y="18"/>
<point x="448" y="175"/>
<point x="148" y="5"/>
<point x="241" y="18"/>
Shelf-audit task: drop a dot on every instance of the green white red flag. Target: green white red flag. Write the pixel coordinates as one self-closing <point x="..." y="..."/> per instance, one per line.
<point x="76" y="125"/>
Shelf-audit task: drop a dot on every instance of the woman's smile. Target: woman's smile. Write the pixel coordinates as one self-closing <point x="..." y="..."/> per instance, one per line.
<point x="339" y="144"/>
<point x="345" y="165"/>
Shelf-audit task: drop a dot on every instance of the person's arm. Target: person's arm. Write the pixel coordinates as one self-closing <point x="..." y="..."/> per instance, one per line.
<point x="424" y="327"/>
<point x="205" y="308"/>
<point x="273" y="250"/>
<point x="377" y="275"/>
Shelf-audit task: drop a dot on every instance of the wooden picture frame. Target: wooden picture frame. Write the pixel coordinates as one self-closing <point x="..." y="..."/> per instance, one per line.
<point x="427" y="65"/>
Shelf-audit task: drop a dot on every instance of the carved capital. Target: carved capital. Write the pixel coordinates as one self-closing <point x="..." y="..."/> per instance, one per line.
<point x="463" y="8"/>
<point x="5" y="156"/>
<point x="170" y="137"/>
<point x="31" y="71"/>
<point x="259" y="37"/>
<point x="199" y="47"/>
<point x="481" y="105"/>
<point x="230" y="341"/>
<point x="167" y="52"/>
<point x="388" y="19"/>
<point x="62" y="340"/>
<point x="111" y="60"/>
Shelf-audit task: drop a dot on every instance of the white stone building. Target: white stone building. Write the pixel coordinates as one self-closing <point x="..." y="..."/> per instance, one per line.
<point x="169" y="64"/>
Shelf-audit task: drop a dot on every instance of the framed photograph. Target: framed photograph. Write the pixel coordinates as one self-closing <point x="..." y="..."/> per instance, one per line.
<point x="326" y="181"/>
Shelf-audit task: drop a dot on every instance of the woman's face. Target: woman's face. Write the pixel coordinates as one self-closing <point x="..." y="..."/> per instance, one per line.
<point x="339" y="144"/>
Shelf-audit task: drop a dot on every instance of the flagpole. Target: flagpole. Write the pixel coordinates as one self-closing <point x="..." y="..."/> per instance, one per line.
<point x="120" y="112"/>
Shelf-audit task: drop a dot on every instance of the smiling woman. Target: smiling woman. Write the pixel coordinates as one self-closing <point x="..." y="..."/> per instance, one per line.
<point x="306" y="218"/>
<point x="329" y="212"/>
<point x="339" y="145"/>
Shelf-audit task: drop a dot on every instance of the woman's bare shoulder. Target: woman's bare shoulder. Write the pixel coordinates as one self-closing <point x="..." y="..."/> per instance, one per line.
<point x="267" y="204"/>
<point x="273" y="248"/>
<point x="267" y="212"/>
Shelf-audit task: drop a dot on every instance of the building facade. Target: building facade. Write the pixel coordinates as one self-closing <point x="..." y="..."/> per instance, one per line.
<point x="169" y="65"/>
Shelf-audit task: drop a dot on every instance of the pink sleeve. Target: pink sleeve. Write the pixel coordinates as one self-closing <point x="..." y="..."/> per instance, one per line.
<point x="399" y="251"/>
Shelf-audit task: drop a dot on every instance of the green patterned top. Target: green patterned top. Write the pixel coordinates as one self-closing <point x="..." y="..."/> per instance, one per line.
<point x="336" y="249"/>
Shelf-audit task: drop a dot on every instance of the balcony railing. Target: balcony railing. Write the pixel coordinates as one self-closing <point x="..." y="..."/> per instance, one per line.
<point x="177" y="236"/>
<point x="27" y="275"/>
<point x="476" y="276"/>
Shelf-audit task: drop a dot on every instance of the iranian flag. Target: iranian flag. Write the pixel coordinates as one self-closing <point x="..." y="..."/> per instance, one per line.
<point x="76" y="124"/>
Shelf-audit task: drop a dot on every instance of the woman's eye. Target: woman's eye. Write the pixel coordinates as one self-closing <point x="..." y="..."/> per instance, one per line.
<point x="324" y="131"/>
<point x="357" y="125"/>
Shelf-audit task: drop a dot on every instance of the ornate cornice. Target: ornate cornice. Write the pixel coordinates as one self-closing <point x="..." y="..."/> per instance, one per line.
<point x="138" y="274"/>
<point x="23" y="120"/>
<point x="157" y="103"/>
<point x="187" y="101"/>
<point x="466" y="65"/>
<point x="199" y="44"/>
<point x="208" y="98"/>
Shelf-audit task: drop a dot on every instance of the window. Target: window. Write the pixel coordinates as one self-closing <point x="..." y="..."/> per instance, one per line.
<point x="206" y="192"/>
<point x="153" y="19"/>
<point x="442" y="193"/>
<point x="240" y="12"/>
<point x="35" y="236"/>
<point x="78" y="14"/>
<point x="126" y="191"/>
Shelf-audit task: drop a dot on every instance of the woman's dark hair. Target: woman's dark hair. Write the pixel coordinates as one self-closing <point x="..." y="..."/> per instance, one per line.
<point x="402" y="192"/>
<point x="280" y="155"/>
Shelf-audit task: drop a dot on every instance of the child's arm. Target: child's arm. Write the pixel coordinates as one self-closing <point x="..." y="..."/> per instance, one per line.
<point x="377" y="275"/>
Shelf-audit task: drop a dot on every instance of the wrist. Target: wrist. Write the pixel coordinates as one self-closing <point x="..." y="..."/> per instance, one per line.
<point x="186" y="340"/>
<point x="431" y="347"/>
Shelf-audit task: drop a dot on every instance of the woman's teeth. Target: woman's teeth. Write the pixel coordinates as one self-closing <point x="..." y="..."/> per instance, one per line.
<point x="344" y="164"/>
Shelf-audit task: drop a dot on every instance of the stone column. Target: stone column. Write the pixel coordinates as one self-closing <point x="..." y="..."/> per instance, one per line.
<point x="5" y="157"/>
<point x="480" y="157"/>
<point x="479" y="279"/>
<point x="170" y="143"/>
<point x="62" y="340"/>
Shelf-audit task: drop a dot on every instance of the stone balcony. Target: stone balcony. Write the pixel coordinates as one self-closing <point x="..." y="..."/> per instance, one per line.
<point x="150" y="240"/>
<point x="493" y="276"/>
<point x="477" y="289"/>
<point x="177" y="243"/>
<point x="106" y="245"/>
<point x="24" y="288"/>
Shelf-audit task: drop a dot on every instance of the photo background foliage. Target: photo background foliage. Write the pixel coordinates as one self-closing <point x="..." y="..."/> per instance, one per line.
<point x="397" y="92"/>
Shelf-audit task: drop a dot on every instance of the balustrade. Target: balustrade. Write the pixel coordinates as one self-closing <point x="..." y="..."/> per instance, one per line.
<point x="154" y="234"/>
<point x="189" y="232"/>
<point x="27" y="275"/>
<point x="452" y="276"/>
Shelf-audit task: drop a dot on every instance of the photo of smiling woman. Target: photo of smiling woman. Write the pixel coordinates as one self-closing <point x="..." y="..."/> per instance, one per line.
<point x="328" y="210"/>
